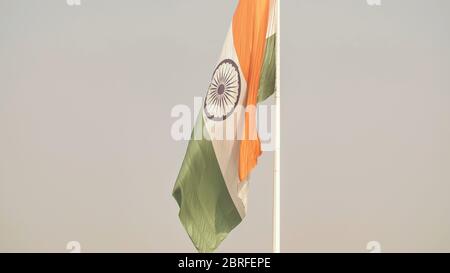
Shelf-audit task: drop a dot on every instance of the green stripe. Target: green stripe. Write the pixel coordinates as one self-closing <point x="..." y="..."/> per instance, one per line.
<point x="267" y="80"/>
<point x="207" y="211"/>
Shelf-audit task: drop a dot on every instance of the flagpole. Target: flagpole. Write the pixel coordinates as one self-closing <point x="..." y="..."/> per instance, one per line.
<point x="276" y="169"/>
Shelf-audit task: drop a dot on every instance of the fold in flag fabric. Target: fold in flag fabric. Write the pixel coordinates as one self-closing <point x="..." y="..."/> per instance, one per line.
<point x="212" y="185"/>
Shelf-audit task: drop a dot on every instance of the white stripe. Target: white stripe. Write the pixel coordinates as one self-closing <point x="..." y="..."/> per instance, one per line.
<point x="272" y="22"/>
<point x="227" y="150"/>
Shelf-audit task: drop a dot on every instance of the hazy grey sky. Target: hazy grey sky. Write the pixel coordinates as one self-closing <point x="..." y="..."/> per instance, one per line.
<point x="85" y="146"/>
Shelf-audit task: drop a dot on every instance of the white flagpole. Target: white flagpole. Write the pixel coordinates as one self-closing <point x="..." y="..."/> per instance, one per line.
<point x="276" y="169"/>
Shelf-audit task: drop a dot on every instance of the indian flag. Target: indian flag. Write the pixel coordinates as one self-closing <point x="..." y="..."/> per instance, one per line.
<point x="212" y="186"/>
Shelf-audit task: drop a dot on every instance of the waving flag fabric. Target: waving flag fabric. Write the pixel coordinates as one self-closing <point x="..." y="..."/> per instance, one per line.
<point x="212" y="185"/>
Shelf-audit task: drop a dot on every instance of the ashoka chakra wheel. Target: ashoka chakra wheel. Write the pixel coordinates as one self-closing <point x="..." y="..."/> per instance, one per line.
<point x="224" y="91"/>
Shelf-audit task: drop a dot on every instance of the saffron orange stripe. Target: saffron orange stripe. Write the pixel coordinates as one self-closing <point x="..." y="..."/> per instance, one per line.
<point x="249" y="34"/>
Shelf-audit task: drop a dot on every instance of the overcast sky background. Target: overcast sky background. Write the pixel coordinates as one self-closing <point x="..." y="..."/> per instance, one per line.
<point x="86" y="152"/>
